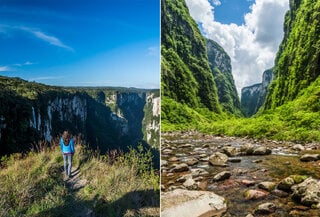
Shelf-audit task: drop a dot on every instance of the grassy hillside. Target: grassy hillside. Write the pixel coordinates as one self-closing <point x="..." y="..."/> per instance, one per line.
<point x="298" y="120"/>
<point x="33" y="185"/>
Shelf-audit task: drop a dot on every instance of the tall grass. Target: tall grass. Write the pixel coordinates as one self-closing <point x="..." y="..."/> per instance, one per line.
<point x="33" y="185"/>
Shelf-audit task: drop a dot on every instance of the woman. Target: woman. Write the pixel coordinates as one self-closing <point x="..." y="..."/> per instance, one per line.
<point x="67" y="149"/>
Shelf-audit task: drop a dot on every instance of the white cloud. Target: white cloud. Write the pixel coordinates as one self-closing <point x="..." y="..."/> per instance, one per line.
<point x="27" y="63"/>
<point x="252" y="46"/>
<point x="5" y="69"/>
<point x="47" y="38"/>
<point x="216" y="2"/>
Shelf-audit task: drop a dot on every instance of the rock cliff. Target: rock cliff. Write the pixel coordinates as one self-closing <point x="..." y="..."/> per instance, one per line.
<point x="106" y="118"/>
<point x="253" y="97"/>
<point x="220" y="64"/>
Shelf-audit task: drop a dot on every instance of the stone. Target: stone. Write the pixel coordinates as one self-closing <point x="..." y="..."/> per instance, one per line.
<point x="222" y="176"/>
<point x="257" y="161"/>
<point x="190" y="184"/>
<point x="199" y="172"/>
<point x="192" y="161"/>
<point x="249" y="215"/>
<point x="167" y="151"/>
<point x="234" y="160"/>
<point x="310" y="157"/>
<point x="163" y="188"/>
<point x="164" y="163"/>
<point x="191" y="203"/>
<point x="268" y="186"/>
<point x="280" y="193"/>
<point x="300" y="207"/>
<point x="248" y="182"/>
<point x="247" y="149"/>
<point x="218" y="159"/>
<point x="261" y="151"/>
<point x="308" y="192"/>
<point x="180" y="167"/>
<point x="230" y="151"/>
<point x="186" y="146"/>
<point x="298" y="147"/>
<point x="173" y="159"/>
<point x="255" y="194"/>
<point x="265" y="208"/>
<point x="286" y="184"/>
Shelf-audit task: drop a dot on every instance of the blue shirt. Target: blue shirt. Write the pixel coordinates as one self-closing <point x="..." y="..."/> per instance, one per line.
<point x="67" y="149"/>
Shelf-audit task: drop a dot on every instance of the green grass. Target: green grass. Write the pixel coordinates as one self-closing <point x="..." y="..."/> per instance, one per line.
<point x="33" y="185"/>
<point x="298" y="120"/>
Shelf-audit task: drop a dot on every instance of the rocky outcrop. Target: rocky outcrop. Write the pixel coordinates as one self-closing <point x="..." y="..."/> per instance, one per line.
<point x="308" y="192"/>
<point x="253" y="97"/>
<point x="191" y="203"/>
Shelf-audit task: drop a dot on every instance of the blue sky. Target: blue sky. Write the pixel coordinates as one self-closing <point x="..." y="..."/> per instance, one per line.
<point x="231" y="11"/>
<point x="81" y="43"/>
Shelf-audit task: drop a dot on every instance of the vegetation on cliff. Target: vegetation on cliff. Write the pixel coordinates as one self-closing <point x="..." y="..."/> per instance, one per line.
<point x="185" y="72"/>
<point x="298" y="59"/>
<point x="291" y="110"/>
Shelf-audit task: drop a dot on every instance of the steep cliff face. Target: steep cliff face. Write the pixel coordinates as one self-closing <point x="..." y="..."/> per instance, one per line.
<point x="120" y="119"/>
<point x="253" y="97"/>
<point x="185" y="72"/>
<point x="298" y="59"/>
<point x="220" y="64"/>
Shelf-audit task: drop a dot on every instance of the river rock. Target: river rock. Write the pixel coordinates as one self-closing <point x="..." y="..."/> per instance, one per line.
<point x="310" y="157"/>
<point x="248" y="182"/>
<point x="192" y="161"/>
<point x="186" y="146"/>
<point x="199" y="172"/>
<point x="218" y="159"/>
<point x="190" y="184"/>
<point x="265" y="208"/>
<point x="222" y="176"/>
<point x="268" y="186"/>
<point x="255" y="194"/>
<point x="286" y="184"/>
<point x="261" y="151"/>
<point x="230" y="151"/>
<point x="247" y="149"/>
<point x="173" y="159"/>
<point x="164" y="163"/>
<point x="308" y="192"/>
<point x="167" y="151"/>
<point x="184" y="203"/>
<point x="298" y="147"/>
<point x="180" y="167"/>
<point x="280" y="193"/>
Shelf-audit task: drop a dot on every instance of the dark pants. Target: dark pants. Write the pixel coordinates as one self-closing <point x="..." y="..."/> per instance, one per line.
<point x="67" y="159"/>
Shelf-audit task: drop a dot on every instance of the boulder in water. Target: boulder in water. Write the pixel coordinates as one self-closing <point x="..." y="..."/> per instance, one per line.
<point x="218" y="159"/>
<point x="191" y="203"/>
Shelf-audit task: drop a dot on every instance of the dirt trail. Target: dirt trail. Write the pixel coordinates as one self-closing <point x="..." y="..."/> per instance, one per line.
<point x="74" y="184"/>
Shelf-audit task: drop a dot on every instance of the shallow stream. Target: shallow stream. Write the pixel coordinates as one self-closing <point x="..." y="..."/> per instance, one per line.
<point x="283" y="162"/>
